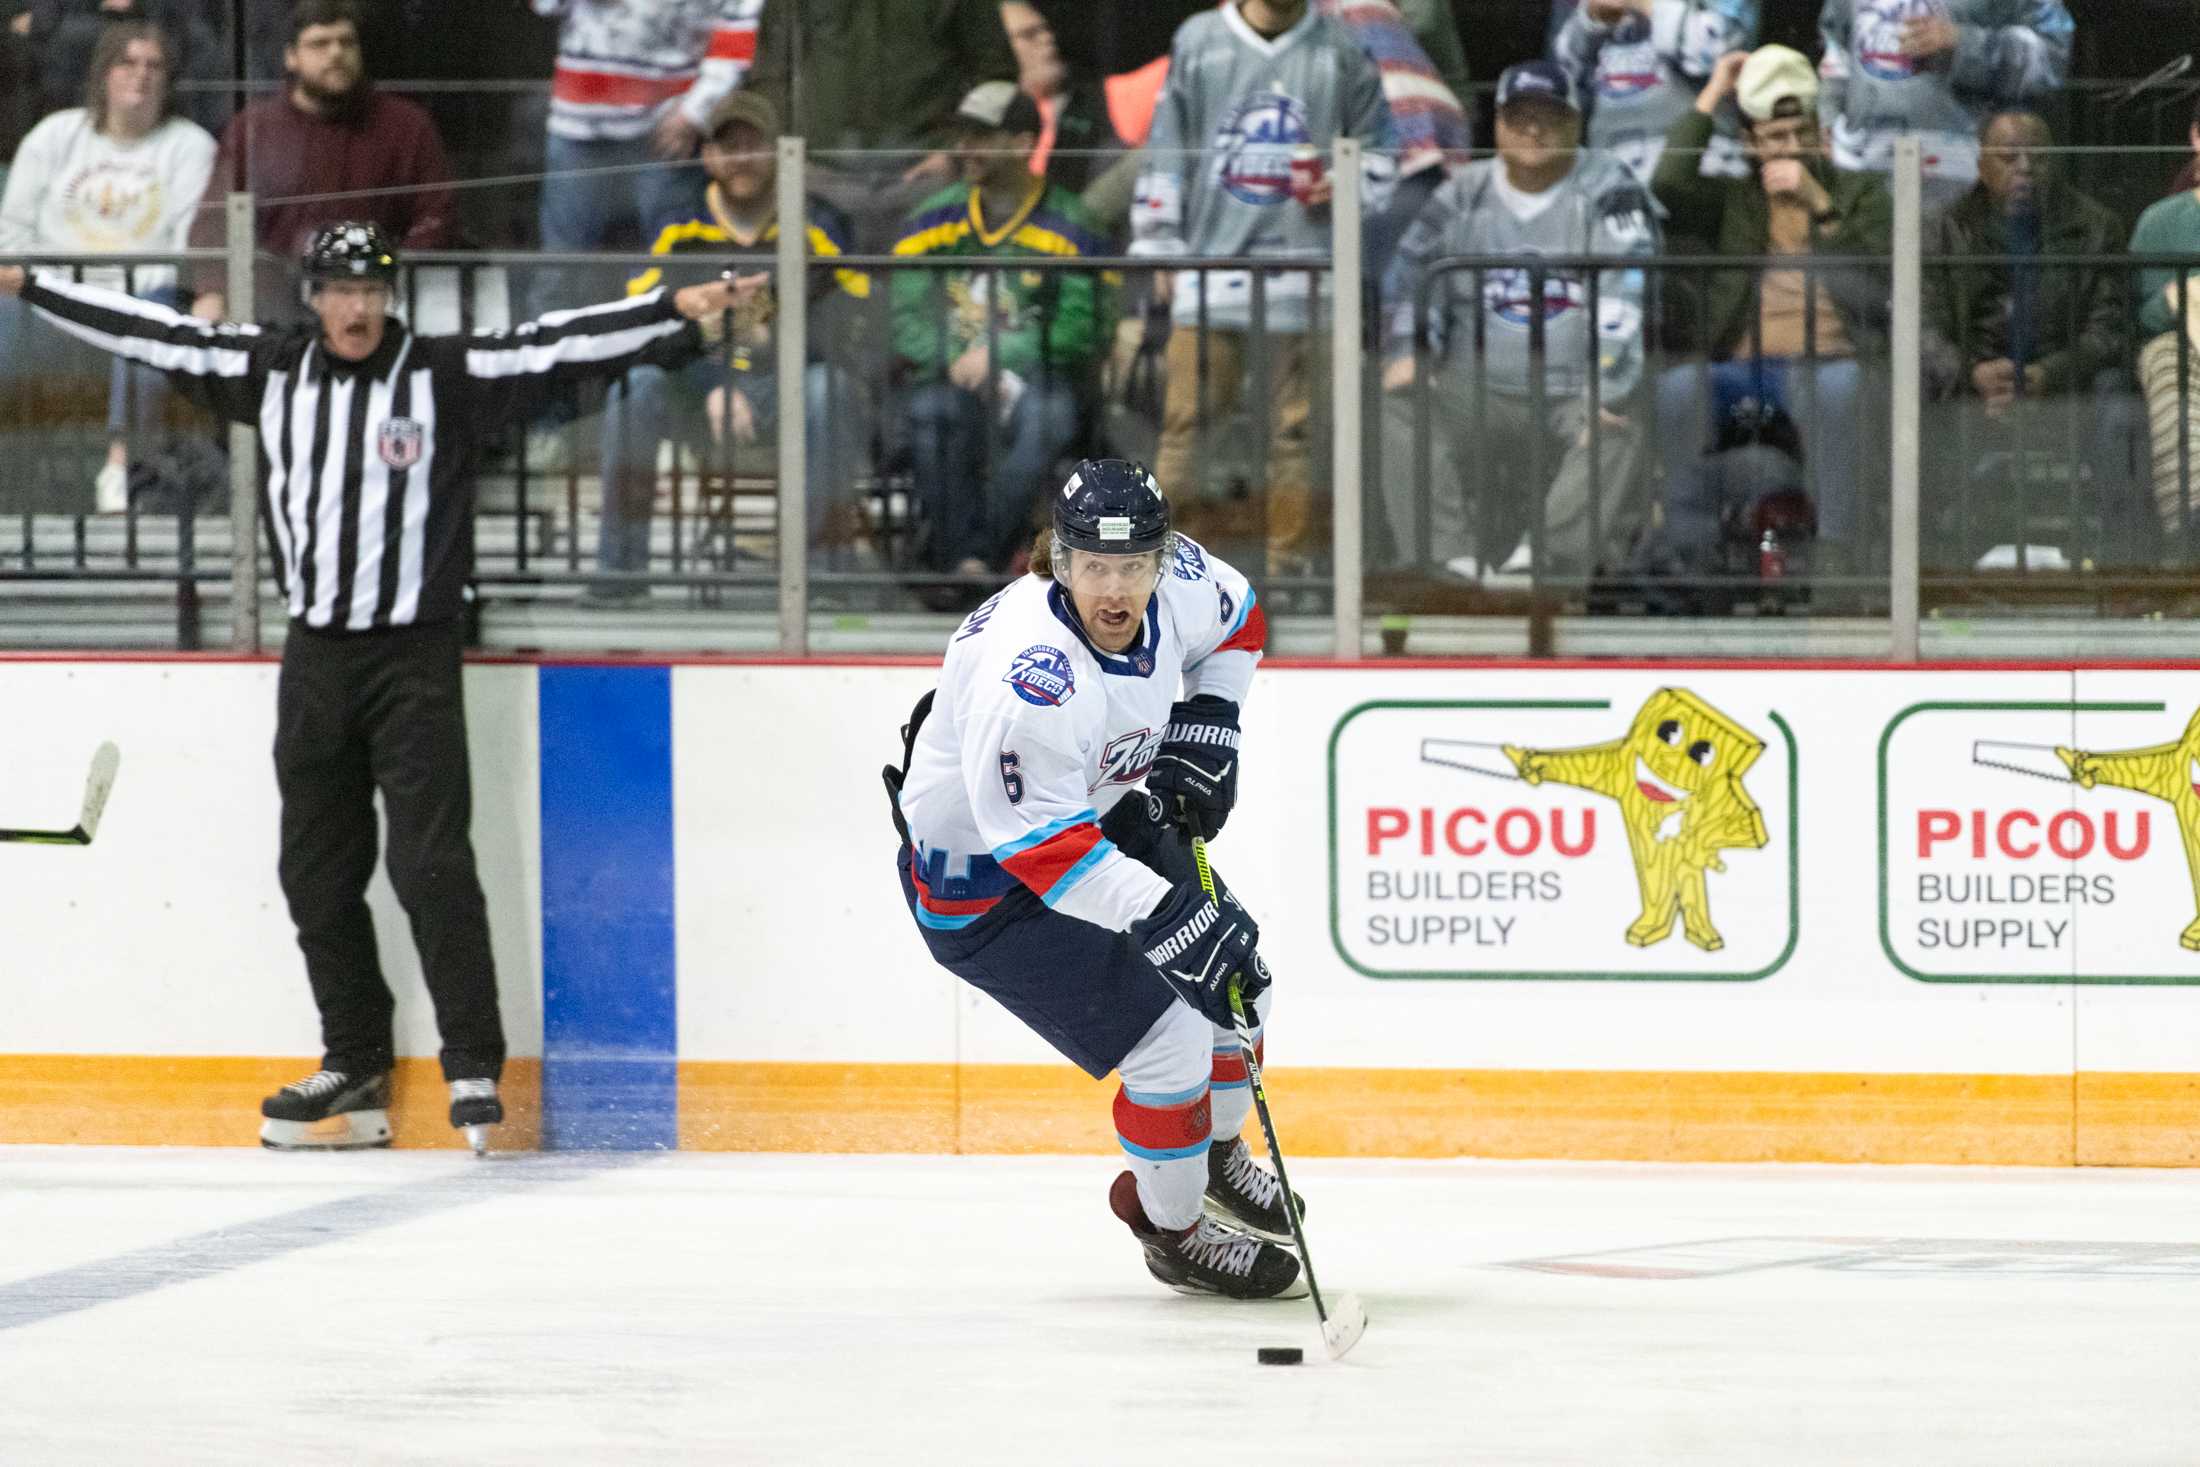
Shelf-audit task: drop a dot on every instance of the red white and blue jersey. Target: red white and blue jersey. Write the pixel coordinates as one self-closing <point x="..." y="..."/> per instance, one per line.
<point x="1036" y="733"/>
<point x="623" y="63"/>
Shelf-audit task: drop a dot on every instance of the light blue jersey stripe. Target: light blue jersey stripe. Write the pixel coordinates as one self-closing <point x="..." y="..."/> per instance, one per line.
<point x="1043" y="834"/>
<point x="1078" y="872"/>
<point x="1174" y="1153"/>
<point x="1243" y="612"/>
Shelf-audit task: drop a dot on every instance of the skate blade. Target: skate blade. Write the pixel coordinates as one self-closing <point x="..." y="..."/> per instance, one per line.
<point x="478" y="1138"/>
<point x="352" y="1131"/>
<point x="1230" y="1219"/>
<point x="1296" y="1289"/>
<point x="1347" y="1321"/>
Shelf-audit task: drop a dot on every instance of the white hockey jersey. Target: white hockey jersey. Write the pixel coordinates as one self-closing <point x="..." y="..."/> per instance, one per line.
<point x="1036" y="733"/>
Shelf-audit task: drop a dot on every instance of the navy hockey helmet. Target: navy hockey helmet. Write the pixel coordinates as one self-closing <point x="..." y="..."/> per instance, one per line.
<point x="351" y="250"/>
<point x="1111" y="506"/>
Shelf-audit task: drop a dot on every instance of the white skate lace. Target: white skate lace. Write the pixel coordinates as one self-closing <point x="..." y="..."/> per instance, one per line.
<point x="473" y="1090"/>
<point x="1250" y="1177"/>
<point x="318" y="1084"/>
<point x="1223" y="1249"/>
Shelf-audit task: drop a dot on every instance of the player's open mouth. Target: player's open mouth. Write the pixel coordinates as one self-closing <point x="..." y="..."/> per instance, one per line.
<point x="1113" y="621"/>
<point x="1654" y="788"/>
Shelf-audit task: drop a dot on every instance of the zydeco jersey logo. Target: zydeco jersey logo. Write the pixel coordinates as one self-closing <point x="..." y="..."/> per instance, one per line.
<point x="1651" y="837"/>
<point x="2042" y="842"/>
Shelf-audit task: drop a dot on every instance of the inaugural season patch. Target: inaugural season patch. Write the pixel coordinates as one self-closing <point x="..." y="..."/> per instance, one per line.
<point x="400" y="441"/>
<point x="1042" y="675"/>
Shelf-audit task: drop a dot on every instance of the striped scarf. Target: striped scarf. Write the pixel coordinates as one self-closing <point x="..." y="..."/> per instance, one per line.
<point x="1428" y="121"/>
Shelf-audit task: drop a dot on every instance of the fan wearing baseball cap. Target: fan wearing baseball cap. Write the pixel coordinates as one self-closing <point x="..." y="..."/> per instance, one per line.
<point x="1813" y="332"/>
<point x="1531" y="472"/>
<point x="724" y="406"/>
<point x="996" y="354"/>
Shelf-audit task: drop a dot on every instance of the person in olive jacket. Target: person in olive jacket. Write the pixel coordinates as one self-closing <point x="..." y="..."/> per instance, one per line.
<point x="1798" y="340"/>
<point x="2026" y="355"/>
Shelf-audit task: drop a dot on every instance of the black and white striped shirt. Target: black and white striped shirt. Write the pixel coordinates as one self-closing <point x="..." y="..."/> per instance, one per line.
<point x="367" y="467"/>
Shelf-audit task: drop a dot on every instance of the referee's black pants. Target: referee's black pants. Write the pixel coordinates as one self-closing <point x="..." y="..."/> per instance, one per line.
<point x="357" y="712"/>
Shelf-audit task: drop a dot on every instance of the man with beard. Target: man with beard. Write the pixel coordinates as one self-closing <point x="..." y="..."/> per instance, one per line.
<point x="310" y="153"/>
<point x="995" y="351"/>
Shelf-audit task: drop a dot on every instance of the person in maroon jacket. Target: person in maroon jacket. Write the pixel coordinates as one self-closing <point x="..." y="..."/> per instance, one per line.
<point x="328" y="132"/>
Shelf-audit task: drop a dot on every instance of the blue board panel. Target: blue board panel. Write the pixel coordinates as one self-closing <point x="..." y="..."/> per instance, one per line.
<point x="610" y="1041"/>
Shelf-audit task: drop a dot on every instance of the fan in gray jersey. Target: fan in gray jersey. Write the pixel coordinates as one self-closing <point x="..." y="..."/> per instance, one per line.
<point x="1639" y="64"/>
<point x="1533" y="369"/>
<point x="1250" y="84"/>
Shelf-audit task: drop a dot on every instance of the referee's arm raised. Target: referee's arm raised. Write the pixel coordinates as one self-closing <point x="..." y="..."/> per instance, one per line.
<point x="219" y="361"/>
<point x="511" y="369"/>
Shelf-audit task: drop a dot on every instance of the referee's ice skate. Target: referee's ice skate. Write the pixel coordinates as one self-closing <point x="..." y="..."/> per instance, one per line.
<point x="1208" y="1257"/>
<point x="474" y="1109"/>
<point x="327" y="1111"/>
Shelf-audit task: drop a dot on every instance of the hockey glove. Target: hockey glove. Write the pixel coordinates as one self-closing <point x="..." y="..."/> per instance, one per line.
<point x="1195" y="772"/>
<point x="1196" y="945"/>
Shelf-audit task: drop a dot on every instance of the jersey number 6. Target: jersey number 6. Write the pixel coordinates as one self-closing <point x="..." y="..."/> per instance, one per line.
<point x="1011" y="781"/>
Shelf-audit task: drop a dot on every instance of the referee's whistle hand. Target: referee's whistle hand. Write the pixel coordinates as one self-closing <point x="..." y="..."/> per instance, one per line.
<point x="698" y="301"/>
<point x="12" y="278"/>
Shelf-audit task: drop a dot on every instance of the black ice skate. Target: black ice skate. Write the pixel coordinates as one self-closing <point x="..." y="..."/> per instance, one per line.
<point x="1208" y="1257"/>
<point x="474" y="1109"/>
<point x="327" y="1111"/>
<point x="1245" y="1194"/>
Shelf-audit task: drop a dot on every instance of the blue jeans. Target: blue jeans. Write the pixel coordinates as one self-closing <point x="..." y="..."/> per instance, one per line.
<point x="652" y="402"/>
<point x="137" y="395"/>
<point x="1832" y="437"/>
<point x="599" y="211"/>
<point x="974" y="519"/>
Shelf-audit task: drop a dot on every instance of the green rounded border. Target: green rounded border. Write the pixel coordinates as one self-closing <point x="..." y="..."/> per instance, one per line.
<point x="2072" y="707"/>
<point x="1794" y="844"/>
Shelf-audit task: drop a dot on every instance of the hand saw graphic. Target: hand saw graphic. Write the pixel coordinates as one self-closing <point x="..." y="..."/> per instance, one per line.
<point x="2037" y="760"/>
<point x="1471" y="755"/>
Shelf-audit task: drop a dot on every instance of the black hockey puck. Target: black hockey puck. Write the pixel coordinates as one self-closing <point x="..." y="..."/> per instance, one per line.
<point x="1281" y="1355"/>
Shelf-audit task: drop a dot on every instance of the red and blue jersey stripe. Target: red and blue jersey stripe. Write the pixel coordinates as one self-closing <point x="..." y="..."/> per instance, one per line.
<point x="1249" y="633"/>
<point x="1054" y="858"/>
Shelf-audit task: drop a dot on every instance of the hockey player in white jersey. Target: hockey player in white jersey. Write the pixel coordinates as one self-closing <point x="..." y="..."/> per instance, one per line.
<point x="1046" y="805"/>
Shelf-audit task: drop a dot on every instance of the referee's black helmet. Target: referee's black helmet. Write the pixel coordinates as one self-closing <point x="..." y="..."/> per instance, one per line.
<point x="1111" y="506"/>
<point x="350" y="250"/>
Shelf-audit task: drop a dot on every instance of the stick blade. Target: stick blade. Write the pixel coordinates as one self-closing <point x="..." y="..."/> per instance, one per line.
<point x="97" y="786"/>
<point x="1347" y="1321"/>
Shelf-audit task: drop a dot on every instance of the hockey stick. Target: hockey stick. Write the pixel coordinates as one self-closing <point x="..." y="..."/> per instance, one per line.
<point x="1343" y="1330"/>
<point x="97" y="785"/>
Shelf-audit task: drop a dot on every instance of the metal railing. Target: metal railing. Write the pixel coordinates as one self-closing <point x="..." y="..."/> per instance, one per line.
<point x="757" y="554"/>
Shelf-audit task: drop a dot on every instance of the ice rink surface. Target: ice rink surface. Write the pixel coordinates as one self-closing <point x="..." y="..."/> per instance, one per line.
<point x="240" y="1307"/>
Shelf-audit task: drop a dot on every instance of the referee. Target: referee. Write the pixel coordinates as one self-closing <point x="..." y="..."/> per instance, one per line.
<point x="367" y="439"/>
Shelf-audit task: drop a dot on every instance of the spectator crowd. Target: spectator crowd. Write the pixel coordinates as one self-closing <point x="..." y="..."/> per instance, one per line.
<point x="1641" y="336"/>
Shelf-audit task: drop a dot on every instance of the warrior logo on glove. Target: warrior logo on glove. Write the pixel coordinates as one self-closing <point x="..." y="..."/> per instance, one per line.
<point x="1198" y="944"/>
<point x="1195" y="769"/>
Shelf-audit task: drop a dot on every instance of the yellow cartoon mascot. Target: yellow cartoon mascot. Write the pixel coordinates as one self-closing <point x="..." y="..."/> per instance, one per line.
<point x="1678" y="779"/>
<point x="2168" y="772"/>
